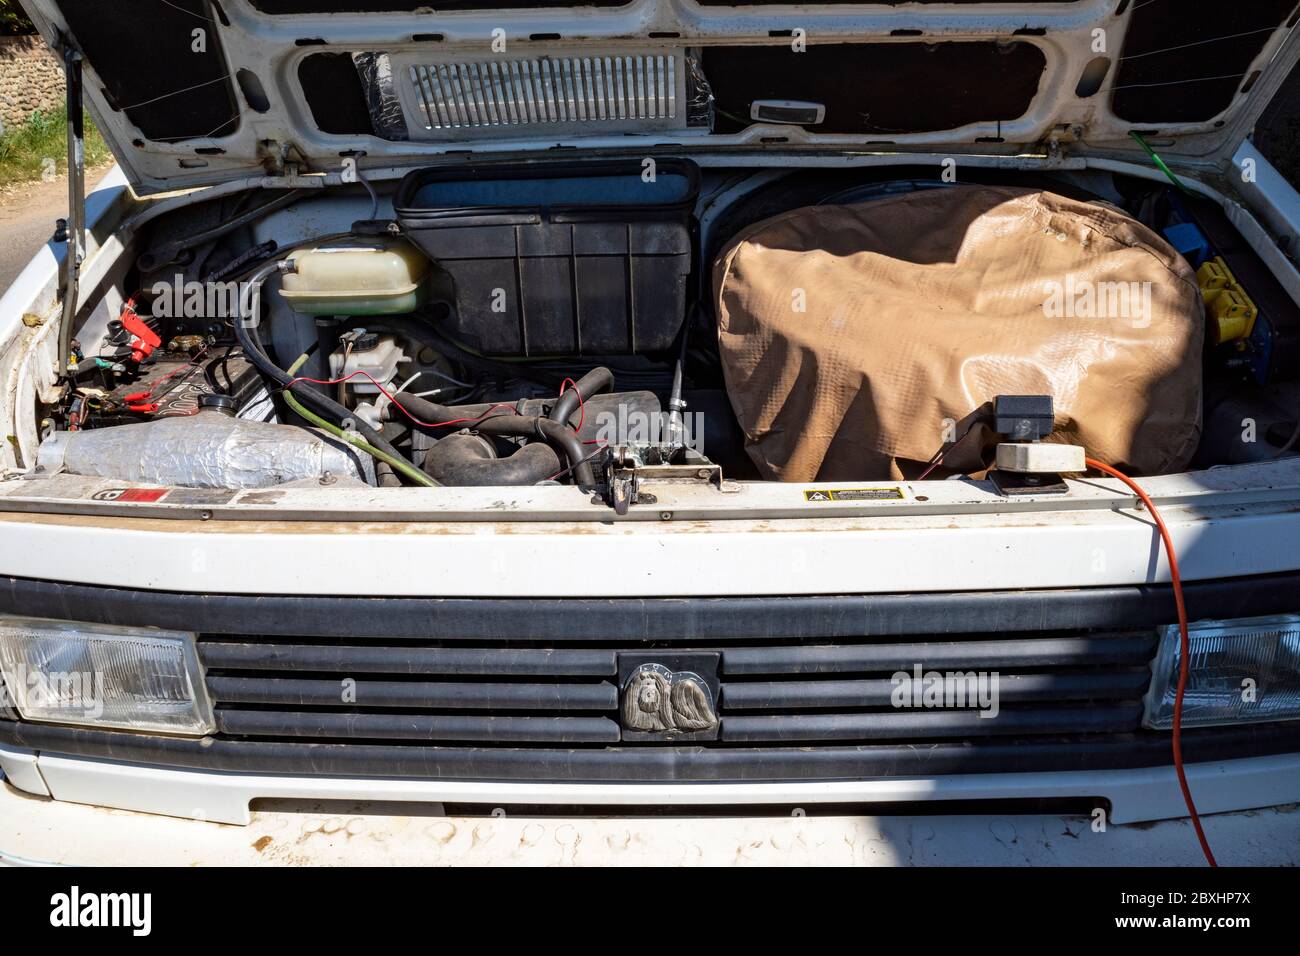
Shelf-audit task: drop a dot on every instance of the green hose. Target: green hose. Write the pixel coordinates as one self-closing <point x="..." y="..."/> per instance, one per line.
<point x="1160" y="163"/>
<point x="352" y="438"/>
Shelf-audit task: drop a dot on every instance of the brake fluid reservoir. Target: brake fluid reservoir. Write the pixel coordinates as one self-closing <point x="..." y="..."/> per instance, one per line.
<point x="377" y="356"/>
<point x="357" y="280"/>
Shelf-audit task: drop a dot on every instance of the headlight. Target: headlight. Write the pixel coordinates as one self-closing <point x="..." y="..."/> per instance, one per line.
<point x="7" y="711"/>
<point x="1243" y="671"/>
<point x="103" y="676"/>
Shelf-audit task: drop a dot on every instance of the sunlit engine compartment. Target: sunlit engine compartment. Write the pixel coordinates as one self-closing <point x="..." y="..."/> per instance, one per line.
<point x="511" y="325"/>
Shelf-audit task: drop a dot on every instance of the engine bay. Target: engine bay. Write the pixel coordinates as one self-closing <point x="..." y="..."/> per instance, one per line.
<point x="512" y="325"/>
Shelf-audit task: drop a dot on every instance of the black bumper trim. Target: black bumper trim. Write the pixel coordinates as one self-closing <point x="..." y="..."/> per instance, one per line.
<point x="664" y="619"/>
<point x="656" y="764"/>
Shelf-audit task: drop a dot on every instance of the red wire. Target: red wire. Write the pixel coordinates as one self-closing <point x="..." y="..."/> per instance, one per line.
<point x="582" y="405"/>
<point x="1185" y="644"/>
<point x="934" y="463"/>
<point x="568" y="382"/>
<point x="387" y="394"/>
<point x="937" y="458"/>
<point x="187" y="369"/>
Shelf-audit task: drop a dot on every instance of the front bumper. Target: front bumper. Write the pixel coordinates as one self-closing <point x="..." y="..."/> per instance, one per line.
<point x="1128" y="796"/>
<point x="331" y="832"/>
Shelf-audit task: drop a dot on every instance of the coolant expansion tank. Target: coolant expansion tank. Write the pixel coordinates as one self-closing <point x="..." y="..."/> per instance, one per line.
<point x="356" y="280"/>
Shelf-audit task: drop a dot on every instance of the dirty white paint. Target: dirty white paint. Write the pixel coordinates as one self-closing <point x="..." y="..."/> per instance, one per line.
<point x="35" y="829"/>
<point x="1136" y="795"/>
<point x="643" y="559"/>
<point x="267" y="47"/>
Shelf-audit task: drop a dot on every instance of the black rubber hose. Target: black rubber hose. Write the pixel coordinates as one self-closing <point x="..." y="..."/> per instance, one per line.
<point x="599" y="379"/>
<point x="465" y="416"/>
<point x="327" y="340"/>
<point x="470" y="460"/>
<point x="325" y="406"/>
<point x="153" y="260"/>
<point x="560" y="437"/>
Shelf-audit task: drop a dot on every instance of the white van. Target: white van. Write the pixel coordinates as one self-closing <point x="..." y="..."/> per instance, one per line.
<point x="369" y="434"/>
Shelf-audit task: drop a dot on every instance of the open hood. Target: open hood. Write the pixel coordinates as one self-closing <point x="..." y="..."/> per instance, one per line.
<point x="194" y="92"/>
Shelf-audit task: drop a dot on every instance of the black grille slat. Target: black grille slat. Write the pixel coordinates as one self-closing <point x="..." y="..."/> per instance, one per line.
<point x="447" y="728"/>
<point x="539" y="640"/>
<point x="419" y="694"/>
<point x="1012" y="688"/>
<point x="492" y="661"/>
<point x="960" y="655"/>
<point x="427" y="690"/>
<point x="930" y="724"/>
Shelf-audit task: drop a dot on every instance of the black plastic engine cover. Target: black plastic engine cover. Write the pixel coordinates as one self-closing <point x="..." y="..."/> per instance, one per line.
<point x="584" y="259"/>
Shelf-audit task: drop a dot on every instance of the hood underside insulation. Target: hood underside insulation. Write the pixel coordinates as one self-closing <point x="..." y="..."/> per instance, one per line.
<point x="1189" y="67"/>
<point x="144" y="52"/>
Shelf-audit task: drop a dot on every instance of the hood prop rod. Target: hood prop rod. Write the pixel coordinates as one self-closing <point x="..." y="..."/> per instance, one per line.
<point x="74" y="232"/>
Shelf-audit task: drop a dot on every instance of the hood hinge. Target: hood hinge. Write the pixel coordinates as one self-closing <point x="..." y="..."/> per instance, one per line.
<point x="1056" y="144"/>
<point x="281" y="159"/>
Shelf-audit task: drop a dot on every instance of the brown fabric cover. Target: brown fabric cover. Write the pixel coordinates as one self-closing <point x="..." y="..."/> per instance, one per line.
<point x="922" y="307"/>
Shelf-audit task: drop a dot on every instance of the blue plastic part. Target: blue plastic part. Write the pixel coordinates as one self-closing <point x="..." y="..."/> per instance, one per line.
<point x="630" y="189"/>
<point x="1261" y="347"/>
<point x="1188" y="239"/>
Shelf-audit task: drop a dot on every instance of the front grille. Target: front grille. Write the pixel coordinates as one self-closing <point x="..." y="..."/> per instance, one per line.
<point x="794" y="671"/>
<point x="480" y="693"/>
<point x="602" y="91"/>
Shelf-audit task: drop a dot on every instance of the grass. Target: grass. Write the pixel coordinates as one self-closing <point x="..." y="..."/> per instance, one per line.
<point x="26" y="151"/>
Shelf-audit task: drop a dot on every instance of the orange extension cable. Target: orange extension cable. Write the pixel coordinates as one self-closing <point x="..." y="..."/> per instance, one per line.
<point x="1185" y="642"/>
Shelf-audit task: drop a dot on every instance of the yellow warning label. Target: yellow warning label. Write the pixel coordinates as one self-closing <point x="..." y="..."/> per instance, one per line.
<point x="853" y="494"/>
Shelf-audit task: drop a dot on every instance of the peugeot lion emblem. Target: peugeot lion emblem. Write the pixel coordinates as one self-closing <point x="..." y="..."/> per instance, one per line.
<point x="655" y="699"/>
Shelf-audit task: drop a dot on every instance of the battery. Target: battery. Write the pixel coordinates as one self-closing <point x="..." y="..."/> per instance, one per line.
<point x="172" y="386"/>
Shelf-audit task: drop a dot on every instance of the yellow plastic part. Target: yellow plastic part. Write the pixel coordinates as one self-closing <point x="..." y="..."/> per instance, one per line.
<point x="1214" y="274"/>
<point x="1230" y="309"/>
<point x="1233" y="313"/>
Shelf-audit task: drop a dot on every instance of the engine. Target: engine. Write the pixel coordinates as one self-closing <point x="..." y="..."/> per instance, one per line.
<point x="475" y="339"/>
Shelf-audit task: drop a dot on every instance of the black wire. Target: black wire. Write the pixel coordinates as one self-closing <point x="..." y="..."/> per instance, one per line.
<point x="580" y="461"/>
<point x="210" y="372"/>
<point x="321" y="404"/>
<point x="169" y="253"/>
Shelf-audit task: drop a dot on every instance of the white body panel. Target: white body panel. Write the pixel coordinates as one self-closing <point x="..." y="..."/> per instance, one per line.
<point x="696" y="541"/>
<point x="1054" y="545"/>
<point x="1067" y="34"/>
<point x="318" y="831"/>
<point x="1132" y="795"/>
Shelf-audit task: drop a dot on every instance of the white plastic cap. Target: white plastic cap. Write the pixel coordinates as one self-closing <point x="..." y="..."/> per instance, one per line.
<point x="1040" y="458"/>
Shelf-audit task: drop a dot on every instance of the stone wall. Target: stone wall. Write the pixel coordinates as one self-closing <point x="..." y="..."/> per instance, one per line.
<point x="31" y="78"/>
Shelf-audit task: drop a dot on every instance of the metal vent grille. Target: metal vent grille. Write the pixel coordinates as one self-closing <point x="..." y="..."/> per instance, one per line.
<point x="638" y="90"/>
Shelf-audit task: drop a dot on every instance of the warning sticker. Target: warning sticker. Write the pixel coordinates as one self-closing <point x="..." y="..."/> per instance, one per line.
<point x="854" y="494"/>
<point x="129" y="494"/>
